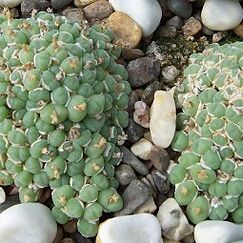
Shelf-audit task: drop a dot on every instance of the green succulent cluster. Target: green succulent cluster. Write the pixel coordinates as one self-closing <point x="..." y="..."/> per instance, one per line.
<point x="62" y="114"/>
<point x="209" y="176"/>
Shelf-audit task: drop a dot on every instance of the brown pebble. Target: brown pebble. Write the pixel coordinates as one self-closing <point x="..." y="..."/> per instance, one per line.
<point x="70" y="226"/>
<point x="191" y="27"/>
<point x="160" y="158"/>
<point x="127" y="32"/>
<point x="239" y="30"/>
<point x="131" y="54"/>
<point x="74" y="14"/>
<point x="67" y="240"/>
<point x="45" y="195"/>
<point x="59" y="235"/>
<point x="98" y="10"/>
<point x="82" y="3"/>
<point x="218" y="36"/>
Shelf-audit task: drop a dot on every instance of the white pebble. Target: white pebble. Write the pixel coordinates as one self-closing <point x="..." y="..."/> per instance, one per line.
<point x="2" y="195"/>
<point x="163" y="118"/>
<point x="10" y="3"/>
<point x="142" y="149"/>
<point x="147" y="13"/>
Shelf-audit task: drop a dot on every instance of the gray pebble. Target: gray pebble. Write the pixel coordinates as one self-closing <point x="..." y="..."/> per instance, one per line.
<point x="148" y="95"/>
<point x="135" y="195"/>
<point x="78" y="238"/>
<point x="167" y="31"/>
<point x="130" y="159"/>
<point x="175" y="22"/>
<point x="160" y="158"/>
<point x="142" y="71"/>
<point x="27" y="6"/>
<point x="134" y="131"/>
<point x="133" y="98"/>
<point x="10" y="201"/>
<point x="207" y="31"/>
<point x="180" y="8"/>
<point x="74" y="14"/>
<point x="161" y="181"/>
<point x="170" y="73"/>
<point x="60" y="4"/>
<point x="125" y="174"/>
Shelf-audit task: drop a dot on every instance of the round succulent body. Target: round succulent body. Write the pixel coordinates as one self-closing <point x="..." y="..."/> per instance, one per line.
<point x="209" y="176"/>
<point x="62" y="111"/>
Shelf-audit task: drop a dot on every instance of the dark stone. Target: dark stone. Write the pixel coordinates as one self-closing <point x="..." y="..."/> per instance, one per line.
<point x="175" y="22"/>
<point x="142" y="71"/>
<point x="78" y="238"/>
<point x="148" y="95"/>
<point x="125" y="174"/>
<point x="161" y="181"/>
<point x="133" y="98"/>
<point x="182" y="8"/>
<point x="167" y="31"/>
<point x="130" y="159"/>
<point x="74" y="14"/>
<point x="135" y="195"/>
<point x="27" y="6"/>
<point x="60" y="4"/>
<point x="10" y="201"/>
<point x="160" y="158"/>
<point x="134" y="131"/>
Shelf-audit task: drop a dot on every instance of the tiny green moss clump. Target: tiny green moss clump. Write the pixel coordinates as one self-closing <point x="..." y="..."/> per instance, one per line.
<point x="62" y="113"/>
<point x="209" y="176"/>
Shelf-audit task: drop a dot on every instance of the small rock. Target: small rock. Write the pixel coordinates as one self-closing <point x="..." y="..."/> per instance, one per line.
<point x="239" y="30"/>
<point x="188" y="239"/>
<point x="70" y="226"/>
<point x="141" y="228"/>
<point x="14" y="12"/>
<point x="98" y="10"/>
<point x="130" y="159"/>
<point x="170" y="73"/>
<point x="45" y="195"/>
<point x="27" y="6"/>
<point x="130" y="54"/>
<point x="207" y="31"/>
<point x="191" y="27"/>
<point x="74" y="14"/>
<point x="148" y="207"/>
<point x="167" y="31"/>
<point x="134" y="131"/>
<point x="78" y="238"/>
<point x="161" y="181"/>
<point x="170" y="241"/>
<point x="159" y="158"/>
<point x="163" y="118"/>
<point x="29" y="220"/>
<point x="67" y="240"/>
<point x="59" y="235"/>
<point x="154" y="50"/>
<point x="142" y="149"/>
<point x="133" y="98"/>
<point x="174" y="223"/>
<point x="175" y="22"/>
<point x="221" y="15"/>
<point x="135" y="195"/>
<point x="60" y="4"/>
<point x="9" y="202"/>
<point x="152" y="184"/>
<point x="82" y="3"/>
<point x="127" y="32"/>
<point x="142" y="71"/>
<point x="215" y="231"/>
<point x="10" y="3"/>
<point x="2" y="195"/>
<point x="125" y="174"/>
<point x="149" y="91"/>
<point x="180" y="8"/>
<point x="141" y="114"/>
<point x="218" y="36"/>
<point x="147" y="13"/>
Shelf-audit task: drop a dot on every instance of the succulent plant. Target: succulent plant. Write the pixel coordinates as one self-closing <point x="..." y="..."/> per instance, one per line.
<point x="62" y="113"/>
<point x="209" y="176"/>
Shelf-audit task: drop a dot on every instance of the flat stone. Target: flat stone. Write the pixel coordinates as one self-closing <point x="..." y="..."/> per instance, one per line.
<point x="82" y="3"/>
<point x="163" y="118"/>
<point x="127" y="32"/>
<point x="130" y="159"/>
<point x="134" y="131"/>
<point x="60" y="4"/>
<point x="221" y="15"/>
<point x="142" y="149"/>
<point x="181" y="8"/>
<point x="161" y="181"/>
<point x="27" y="6"/>
<point x="174" y="223"/>
<point x="98" y="10"/>
<point x="160" y="158"/>
<point x="125" y="174"/>
<point x="191" y="27"/>
<point x="147" y="13"/>
<point x="29" y="220"/>
<point x="142" y="71"/>
<point x="10" y="3"/>
<point x="135" y="195"/>
<point x="74" y="14"/>
<point x="141" y="228"/>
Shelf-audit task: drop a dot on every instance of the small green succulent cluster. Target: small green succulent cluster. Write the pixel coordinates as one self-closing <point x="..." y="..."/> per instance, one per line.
<point x="62" y="114"/>
<point x="209" y="176"/>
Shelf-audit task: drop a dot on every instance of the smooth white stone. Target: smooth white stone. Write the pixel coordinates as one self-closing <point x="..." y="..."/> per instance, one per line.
<point x="163" y="118"/>
<point x="147" y="13"/>
<point x="215" y="231"/>
<point x="137" y="228"/>
<point x="2" y="195"/>
<point x="173" y="221"/>
<point x="221" y="15"/>
<point x="10" y="3"/>
<point x="27" y="223"/>
<point x="142" y="149"/>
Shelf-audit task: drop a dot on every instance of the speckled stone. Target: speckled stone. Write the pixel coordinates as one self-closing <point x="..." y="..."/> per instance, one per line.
<point x="125" y="174"/>
<point x="74" y="14"/>
<point x="27" y="6"/>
